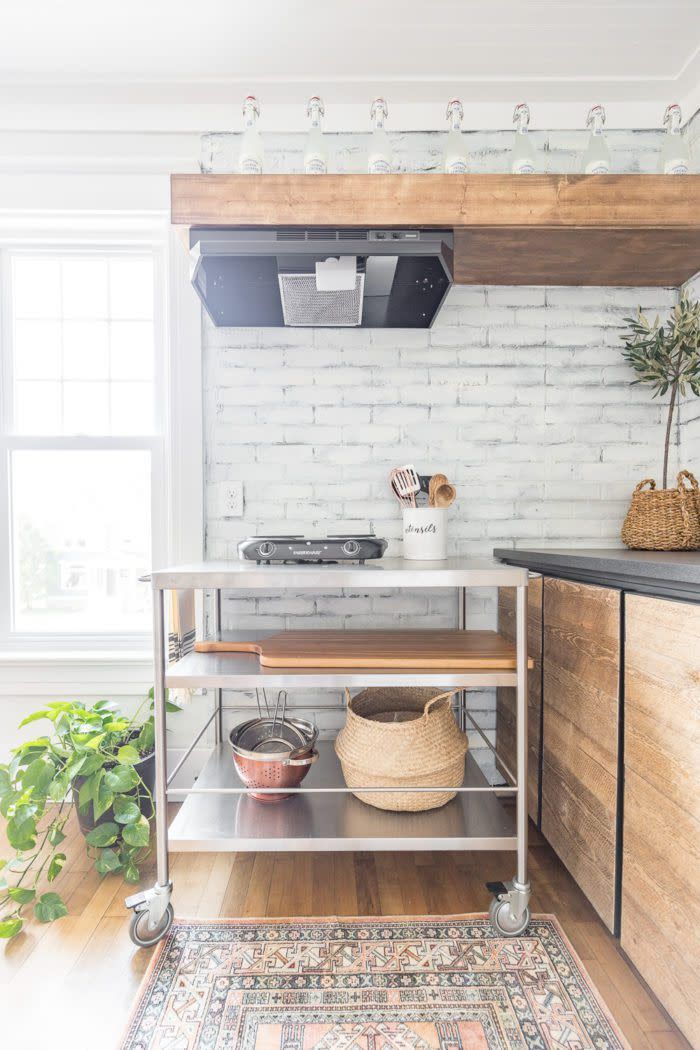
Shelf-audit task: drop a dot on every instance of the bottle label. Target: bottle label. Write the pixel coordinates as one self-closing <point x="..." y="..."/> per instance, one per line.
<point x="248" y="165"/>
<point x="523" y="167"/>
<point x="676" y="167"/>
<point x="456" y="166"/>
<point x="315" y="164"/>
<point x="597" y="167"/>
<point x="379" y="165"/>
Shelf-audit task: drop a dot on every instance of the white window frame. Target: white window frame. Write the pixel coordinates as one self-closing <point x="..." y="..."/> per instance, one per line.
<point x="177" y="446"/>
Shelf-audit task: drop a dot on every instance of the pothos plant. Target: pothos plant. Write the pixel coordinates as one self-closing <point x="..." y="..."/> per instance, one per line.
<point x="667" y="357"/>
<point x="89" y="757"/>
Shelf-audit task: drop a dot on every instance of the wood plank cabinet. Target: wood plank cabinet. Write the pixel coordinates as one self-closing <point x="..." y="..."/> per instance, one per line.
<point x="581" y="667"/>
<point x="505" y="696"/>
<point x="661" y="833"/>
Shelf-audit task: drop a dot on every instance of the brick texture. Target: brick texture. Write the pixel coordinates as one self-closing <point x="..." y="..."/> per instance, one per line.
<point x="519" y="395"/>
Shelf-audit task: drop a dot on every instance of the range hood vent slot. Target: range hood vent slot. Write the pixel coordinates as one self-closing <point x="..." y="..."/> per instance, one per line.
<point x="292" y="233"/>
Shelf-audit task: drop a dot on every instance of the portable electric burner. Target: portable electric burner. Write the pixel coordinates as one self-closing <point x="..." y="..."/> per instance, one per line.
<point x="301" y="549"/>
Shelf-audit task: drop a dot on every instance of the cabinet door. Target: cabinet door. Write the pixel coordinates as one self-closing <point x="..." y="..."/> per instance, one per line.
<point x="581" y="657"/>
<point x="661" y="833"/>
<point x="505" y="697"/>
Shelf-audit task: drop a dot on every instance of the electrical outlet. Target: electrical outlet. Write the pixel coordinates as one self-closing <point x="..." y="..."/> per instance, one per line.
<point x="230" y="499"/>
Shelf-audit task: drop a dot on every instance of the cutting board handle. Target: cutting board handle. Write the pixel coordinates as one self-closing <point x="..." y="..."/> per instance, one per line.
<point x="227" y="647"/>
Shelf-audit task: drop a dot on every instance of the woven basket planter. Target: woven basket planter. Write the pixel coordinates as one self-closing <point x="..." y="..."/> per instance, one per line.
<point x="664" y="519"/>
<point x="398" y="738"/>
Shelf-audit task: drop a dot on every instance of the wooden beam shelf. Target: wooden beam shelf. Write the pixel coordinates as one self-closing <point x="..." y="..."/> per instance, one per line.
<point x="509" y="229"/>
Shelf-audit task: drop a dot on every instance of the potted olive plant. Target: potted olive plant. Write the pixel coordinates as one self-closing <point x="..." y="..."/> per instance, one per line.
<point x="667" y="358"/>
<point x="95" y="759"/>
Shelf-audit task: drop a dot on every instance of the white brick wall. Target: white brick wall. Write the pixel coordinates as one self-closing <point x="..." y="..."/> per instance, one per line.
<point x="519" y="395"/>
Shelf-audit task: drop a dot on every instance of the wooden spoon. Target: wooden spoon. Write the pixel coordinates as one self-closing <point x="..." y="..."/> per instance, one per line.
<point x="436" y="482"/>
<point x="445" y="495"/>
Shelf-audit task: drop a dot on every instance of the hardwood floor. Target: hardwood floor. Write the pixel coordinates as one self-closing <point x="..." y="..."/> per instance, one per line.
<point x="71" y="984"/>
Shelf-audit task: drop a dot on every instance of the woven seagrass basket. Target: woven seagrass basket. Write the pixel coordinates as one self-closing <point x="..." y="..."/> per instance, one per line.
<point x="664" y="519"/>
<point x="400" y="737"/>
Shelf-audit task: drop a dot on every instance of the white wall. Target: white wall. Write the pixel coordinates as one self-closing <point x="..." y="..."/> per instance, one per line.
<point x="520" y="395"/>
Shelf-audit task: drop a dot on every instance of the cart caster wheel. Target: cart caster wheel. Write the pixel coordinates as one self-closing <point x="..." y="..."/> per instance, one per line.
<point x="139" y="931"/>
<point x="504" y="922"/>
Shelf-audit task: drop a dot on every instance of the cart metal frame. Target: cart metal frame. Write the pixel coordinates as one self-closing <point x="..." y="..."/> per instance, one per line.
<point x="153" y="913"/>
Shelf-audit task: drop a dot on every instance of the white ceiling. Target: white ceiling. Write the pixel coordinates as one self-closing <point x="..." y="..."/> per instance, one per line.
<point x="639" y="54"/>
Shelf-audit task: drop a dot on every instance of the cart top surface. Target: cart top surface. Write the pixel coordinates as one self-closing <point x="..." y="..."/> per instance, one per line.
<point x="384" y="572"/>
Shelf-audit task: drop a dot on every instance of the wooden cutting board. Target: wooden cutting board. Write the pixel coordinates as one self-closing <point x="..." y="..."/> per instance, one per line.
<point x="432" y="649"/>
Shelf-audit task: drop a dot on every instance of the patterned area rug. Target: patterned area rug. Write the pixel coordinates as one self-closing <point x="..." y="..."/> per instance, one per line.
<point x="368" y="984"/>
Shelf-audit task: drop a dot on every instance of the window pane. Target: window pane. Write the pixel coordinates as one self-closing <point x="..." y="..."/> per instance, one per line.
<point x="84" y="287"/>
<point x="37" y="407"/>
<point x="81" y="538"/>
<point x="84" y="321"/>
<point x="37" y="349"/>
<point x="86" y="408"/>
<point x="131" y="288"/>
<point x="36" y="287"/>
<point x="132" y="350"/>
<point x="85" y="352"/>
<point x="132" y="408"/>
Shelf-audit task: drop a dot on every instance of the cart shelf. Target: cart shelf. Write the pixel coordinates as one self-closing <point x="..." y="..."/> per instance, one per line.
<point x="323" y="815"/>
<point x="244" y="671"/>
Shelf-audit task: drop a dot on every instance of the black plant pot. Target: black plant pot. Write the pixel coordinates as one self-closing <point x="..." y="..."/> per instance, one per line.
<point x="145" y="767"/>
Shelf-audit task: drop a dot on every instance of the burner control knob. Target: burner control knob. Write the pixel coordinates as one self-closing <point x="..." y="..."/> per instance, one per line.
<point x="266" y="549"/>
<point x="351" y="547"/>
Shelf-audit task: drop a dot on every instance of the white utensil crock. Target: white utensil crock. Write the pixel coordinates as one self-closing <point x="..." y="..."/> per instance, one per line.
<point x="425" y="533"/>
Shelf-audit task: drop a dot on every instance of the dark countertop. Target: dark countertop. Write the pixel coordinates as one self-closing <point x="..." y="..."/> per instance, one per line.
<point x="668" y="574"/>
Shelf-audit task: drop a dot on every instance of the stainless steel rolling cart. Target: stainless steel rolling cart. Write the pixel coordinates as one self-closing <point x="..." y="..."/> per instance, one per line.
<point x="218" y="815"/>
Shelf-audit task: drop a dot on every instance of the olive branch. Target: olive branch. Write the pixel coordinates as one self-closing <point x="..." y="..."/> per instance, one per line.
<point x="666" y="357"/>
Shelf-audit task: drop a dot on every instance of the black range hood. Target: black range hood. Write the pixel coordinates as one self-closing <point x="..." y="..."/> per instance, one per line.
<point x="318" y="277"/>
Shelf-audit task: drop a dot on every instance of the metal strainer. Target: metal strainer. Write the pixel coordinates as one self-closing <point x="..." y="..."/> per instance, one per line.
<point x="272" y="751"/>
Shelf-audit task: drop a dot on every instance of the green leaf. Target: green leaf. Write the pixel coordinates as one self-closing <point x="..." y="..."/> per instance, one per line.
<point x="89" y="788"/>
<point x="102" y="800"/>
<point x="8" y="801"/>
<point x="10" y="927"/>
<point x="108" y="861"/>
<point x="21" y="828"/>
<point x="55" y="865"/>
<point x="127" y="755"/>
<point x="34" y="717"/>
<point x="58" y="788"/>
<point x="125" y="810"/>
<point x="5" y="781"/>
<point x="137" y="834"/>
<point x="21" y="895"/>
<point x="56" y="835"/>
<point x="49" y="907"/>
<point x="117" y="725"/>
<point x="91" y="763"/>
<point x="131" y="873"/>
<point x="103" y="834"/>
<point x="146" y="738"/>
<point x="94" y="742"/>
<point x="75" y="764"/>
<point x="121" y="778"/>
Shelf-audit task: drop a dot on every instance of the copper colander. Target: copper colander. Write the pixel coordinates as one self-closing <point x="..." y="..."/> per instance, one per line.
<point x="278" y="754"/>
